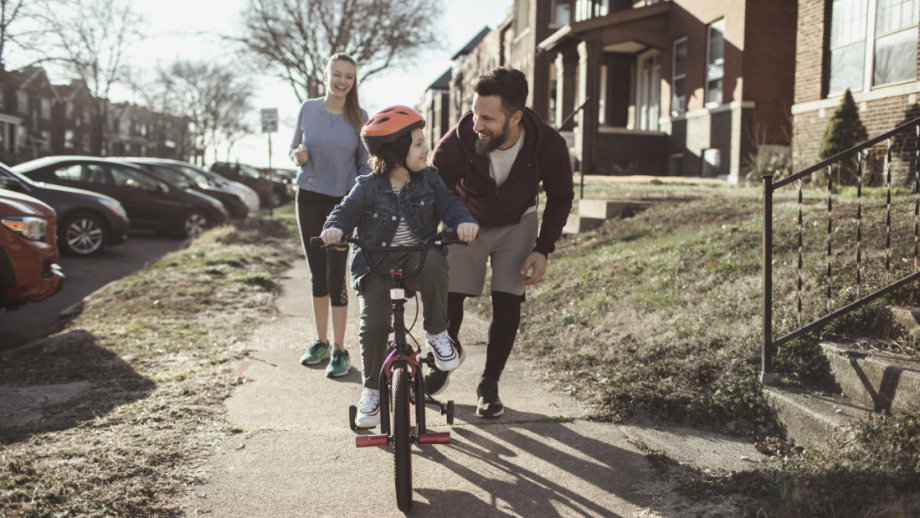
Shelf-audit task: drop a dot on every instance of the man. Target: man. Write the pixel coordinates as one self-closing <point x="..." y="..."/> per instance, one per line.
<point x="495" y="159"/>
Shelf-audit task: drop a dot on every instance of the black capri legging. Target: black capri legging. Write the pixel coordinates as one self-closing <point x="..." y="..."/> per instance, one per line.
<point x="327" y="266"/>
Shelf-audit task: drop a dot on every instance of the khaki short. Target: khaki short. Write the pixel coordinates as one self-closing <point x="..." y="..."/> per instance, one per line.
<point x="506" y="248"/>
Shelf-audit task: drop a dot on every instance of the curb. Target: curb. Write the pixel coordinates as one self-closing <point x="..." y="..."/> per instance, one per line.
<point x="75" y="309"/>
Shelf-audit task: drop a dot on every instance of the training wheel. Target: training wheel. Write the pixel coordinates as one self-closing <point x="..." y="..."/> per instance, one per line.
<point x="352" y="415"/>
<point x="450" y="411"/>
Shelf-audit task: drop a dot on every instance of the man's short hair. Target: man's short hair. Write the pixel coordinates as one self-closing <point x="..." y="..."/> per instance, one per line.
<point x="508" y="83"/>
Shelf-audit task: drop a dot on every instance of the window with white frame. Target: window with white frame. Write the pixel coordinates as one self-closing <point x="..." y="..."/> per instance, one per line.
<point x="68" y="139"/>
<point x="22" y="136"/>
<point x="46" y="108"/>
<point x="562" y="12"/>
<point x="678" y="78"/>
<point x="522" y="16"/>
<point x="46" y="140"/>
<point x="715" y="61"/>
<point x="23" y="101"/>
<point x="889" y="27"/>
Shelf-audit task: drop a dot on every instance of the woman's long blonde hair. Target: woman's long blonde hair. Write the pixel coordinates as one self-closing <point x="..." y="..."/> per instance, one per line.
<point x="352" y="105"/>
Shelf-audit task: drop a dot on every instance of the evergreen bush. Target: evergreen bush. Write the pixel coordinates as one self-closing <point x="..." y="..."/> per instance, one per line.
<point x="843" y="131"/>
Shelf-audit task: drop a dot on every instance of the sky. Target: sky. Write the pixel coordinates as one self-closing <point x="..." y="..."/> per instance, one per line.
<point x="179" y="36"/>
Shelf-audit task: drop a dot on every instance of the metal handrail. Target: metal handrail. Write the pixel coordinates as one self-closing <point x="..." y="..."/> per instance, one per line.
<point x="572" y="115"/>
<point x="769" y="345"/>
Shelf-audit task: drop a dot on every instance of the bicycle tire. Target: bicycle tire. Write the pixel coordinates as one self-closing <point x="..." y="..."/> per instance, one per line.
<point x="402" y="442"/>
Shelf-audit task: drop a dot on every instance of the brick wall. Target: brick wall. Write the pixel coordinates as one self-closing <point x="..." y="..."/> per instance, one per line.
<point x="812" y="40"/>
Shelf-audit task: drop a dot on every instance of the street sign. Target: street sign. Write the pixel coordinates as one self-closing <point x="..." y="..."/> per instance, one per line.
<point x="269" y="120"/>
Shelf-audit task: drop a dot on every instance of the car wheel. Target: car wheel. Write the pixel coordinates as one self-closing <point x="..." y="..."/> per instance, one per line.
<point x="194" y="224"/>
<point x="82" y="235"/>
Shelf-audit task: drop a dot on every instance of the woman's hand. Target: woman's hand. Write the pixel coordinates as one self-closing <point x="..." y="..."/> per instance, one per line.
<point x="331" y="236"/>
<point x="467" y="231"/>
<point x="301" y="155"/>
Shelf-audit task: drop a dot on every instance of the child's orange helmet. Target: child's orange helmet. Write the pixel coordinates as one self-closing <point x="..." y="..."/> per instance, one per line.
<point x="388" y="125"/>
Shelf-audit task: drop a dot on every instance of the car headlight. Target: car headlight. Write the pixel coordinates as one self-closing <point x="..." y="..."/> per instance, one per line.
<point x="115" y="207"/>
<point x="29" y="227"/>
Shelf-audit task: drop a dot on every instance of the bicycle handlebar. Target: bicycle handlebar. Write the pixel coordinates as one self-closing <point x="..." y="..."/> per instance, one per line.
<point x="447" y="237"/>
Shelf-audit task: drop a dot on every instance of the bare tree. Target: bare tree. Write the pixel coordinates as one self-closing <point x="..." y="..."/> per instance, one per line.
<point x="214" y="97"/>
<point x="294" y="38"/>
<point x="91" y="40"/>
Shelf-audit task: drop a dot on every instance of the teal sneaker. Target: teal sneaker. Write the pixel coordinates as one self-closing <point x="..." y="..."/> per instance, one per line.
<point x="339" y="365"/>
<point x="316" y="354"/>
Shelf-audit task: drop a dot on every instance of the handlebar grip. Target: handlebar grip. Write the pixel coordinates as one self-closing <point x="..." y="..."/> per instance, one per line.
<point x="316" y="241"/>
<point x="451" y="235"/>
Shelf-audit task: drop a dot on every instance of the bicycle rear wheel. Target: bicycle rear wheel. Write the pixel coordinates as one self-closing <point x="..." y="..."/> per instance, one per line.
<point x="402" y="442"/>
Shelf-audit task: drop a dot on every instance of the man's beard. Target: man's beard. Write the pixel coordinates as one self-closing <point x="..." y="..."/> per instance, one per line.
<point x="495" y="141"/>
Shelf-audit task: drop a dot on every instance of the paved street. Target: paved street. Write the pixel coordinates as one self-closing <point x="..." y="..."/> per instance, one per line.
<point x="296" y="455"/>
<point x="84" y="275"/>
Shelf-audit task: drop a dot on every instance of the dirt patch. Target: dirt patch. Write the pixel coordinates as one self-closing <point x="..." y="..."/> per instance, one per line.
<point x="152" y="357"/>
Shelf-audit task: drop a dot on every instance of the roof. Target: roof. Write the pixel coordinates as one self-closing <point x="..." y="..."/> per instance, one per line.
<point x="443" y="82"/>
<point x="473" y="43"/>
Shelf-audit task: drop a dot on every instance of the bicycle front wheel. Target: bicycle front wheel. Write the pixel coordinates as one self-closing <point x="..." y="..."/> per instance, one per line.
<point x="402" y="440"/>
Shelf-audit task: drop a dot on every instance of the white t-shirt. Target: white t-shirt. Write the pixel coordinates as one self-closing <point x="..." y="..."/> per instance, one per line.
<point x="501" y="160"/>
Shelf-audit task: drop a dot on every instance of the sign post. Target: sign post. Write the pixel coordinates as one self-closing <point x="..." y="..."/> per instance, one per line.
<point x="270" y="125"/>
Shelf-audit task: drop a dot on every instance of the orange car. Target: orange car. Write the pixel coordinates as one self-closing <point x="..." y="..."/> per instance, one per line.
<point x="28" y="251"/>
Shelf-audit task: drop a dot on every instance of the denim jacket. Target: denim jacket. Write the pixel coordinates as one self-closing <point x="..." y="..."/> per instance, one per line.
<point x="375" y="210"/>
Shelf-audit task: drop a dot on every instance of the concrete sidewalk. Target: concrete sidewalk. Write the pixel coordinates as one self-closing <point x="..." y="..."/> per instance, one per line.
<point x="296" y="455"/>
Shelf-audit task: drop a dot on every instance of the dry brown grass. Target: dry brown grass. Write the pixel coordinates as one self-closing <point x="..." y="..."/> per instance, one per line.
<point x="156" y="349"/>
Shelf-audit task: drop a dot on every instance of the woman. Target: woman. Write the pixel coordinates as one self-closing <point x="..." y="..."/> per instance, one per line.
<point x="328" y="149"/>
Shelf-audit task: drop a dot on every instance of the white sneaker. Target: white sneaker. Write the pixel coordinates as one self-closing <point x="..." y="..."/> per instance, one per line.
<point x="368" y="409"/>
<point x="445" y="354"/>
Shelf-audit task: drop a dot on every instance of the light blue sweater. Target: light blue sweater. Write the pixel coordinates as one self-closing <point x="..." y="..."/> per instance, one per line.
<point x="336" y="154"/>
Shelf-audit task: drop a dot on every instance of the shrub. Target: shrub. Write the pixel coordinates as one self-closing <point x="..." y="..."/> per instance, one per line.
<point x="844" y="130"/>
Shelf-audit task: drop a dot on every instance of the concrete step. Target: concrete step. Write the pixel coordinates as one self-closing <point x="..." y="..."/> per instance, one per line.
<point x="811" y="419"/>
<point x="609" y="209"/>
<point x="577" y="224"/>
<point x="903" y="322"/>
<point x="878" y="380"/>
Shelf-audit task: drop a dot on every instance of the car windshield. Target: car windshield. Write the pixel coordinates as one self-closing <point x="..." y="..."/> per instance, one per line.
<point x="200" y="178"/>
<point x="5" y="173"/>
<point x="250" y="171"/>
<point x="173" y="176"/>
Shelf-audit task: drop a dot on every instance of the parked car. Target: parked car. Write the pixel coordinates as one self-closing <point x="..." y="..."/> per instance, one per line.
<point x="249" y="196"/>
<point x="271" y="191"/>
<point x="151" y="202"/>
<point x="88" y="222"/>
<point x="28" y="254"/>
<point x="189" y="178"/>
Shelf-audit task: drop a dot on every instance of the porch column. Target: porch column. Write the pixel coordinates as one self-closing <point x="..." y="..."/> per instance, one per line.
<point x="586" y="131"/>
<point x="566" y="77"/>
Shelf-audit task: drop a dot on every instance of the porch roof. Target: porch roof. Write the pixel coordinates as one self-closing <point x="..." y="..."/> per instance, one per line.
<point x="646" y="26"/>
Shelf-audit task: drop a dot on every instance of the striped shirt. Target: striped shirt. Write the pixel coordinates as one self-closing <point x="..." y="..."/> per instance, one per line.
<point x="404" y="235"/>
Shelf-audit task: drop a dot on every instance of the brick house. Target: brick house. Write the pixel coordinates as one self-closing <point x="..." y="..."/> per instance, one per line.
<point x="26" y="122"/>
<point x="71" y="134"/>
<point x="868" y="46"/>
<point x="435" y="108"/>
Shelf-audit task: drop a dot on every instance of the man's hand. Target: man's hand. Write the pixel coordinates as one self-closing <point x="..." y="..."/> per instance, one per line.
<point x="537" y="261"/>
<point x="467" y="231"/>
<point x="301" y="155"/>
<point x="331" y="236"/>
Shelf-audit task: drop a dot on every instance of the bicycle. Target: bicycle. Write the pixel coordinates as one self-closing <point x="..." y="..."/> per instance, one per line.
<point x="401" y="370"/>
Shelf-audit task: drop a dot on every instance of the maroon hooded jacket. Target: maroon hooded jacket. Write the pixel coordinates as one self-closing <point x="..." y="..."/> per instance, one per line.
<point x="544" y="157"/>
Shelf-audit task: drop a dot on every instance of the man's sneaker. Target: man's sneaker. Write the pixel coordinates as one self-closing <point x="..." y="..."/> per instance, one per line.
<point x="437" y="380"/>
<point x="316" y="354"/>
<point x="442" y="347"/>
<point x="368" y="409"/>
<point x="341" y="362"/>
<point x="489" y="405"/>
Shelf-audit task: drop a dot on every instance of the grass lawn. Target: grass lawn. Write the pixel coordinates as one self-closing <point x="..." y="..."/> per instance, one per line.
<point x="659" y="316"/>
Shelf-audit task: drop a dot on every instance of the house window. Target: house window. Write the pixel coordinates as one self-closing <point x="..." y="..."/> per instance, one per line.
<point x="648" y="92"/>
<point x="68" y="109"/>
<point x="46" y="108"/>
<point x="87" y="118"/>
<point x="522" y="18"/>
<point x="23" y="99"/>
<point x="890" y="27"/>
<point x="715" y="60"/>
<point x="678" y="78"/>
<point x="68" y="139"/>
<point x="587" y="9"/>
<point x="46" y="140"/>
<point x="711" y="163"/>
<point x="562" y="12"/>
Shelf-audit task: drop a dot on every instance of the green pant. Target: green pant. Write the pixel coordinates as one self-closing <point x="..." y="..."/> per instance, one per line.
<point x="377" y="313"/>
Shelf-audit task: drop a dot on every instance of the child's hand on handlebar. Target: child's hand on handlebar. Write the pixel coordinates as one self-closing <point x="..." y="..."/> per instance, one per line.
<point x="467" y="231"/>
<point x="331" y="236"/>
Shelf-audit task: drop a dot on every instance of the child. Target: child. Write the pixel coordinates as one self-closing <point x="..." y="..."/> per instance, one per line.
<point x="399" y="205"/>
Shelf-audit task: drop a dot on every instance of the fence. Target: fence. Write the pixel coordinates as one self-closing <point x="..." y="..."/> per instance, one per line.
<point x="769" y="344"/>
